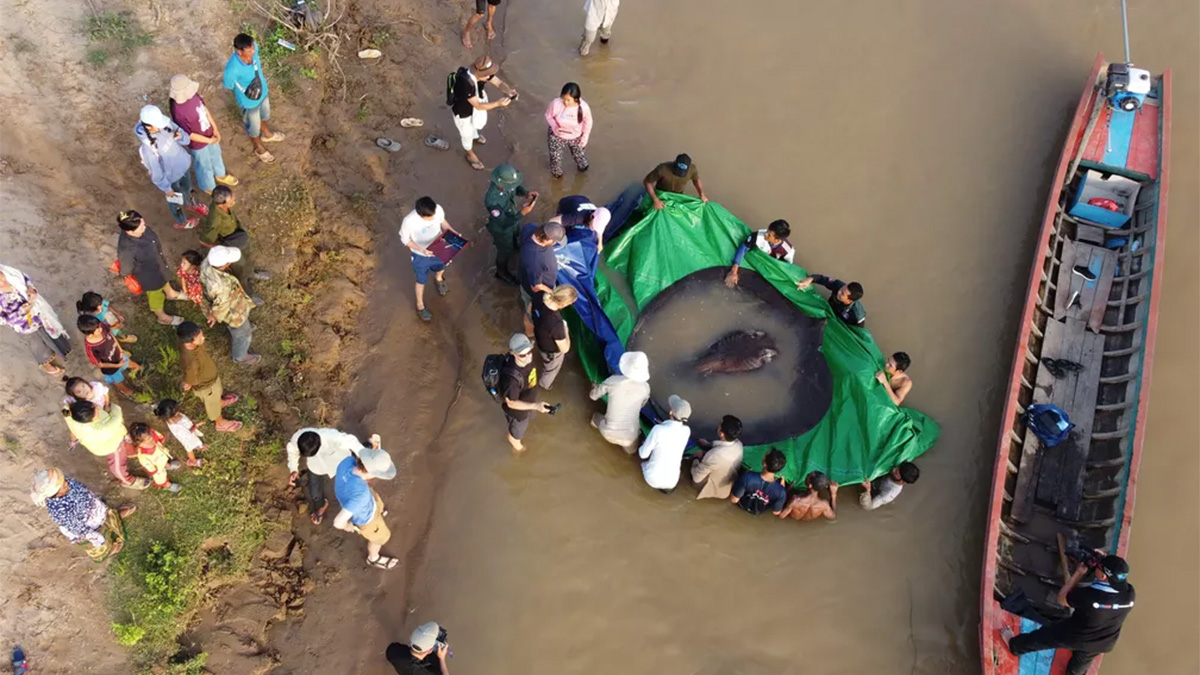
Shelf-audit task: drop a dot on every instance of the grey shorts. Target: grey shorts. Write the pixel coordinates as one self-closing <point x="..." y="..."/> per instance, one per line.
<point x="516" y="427"/>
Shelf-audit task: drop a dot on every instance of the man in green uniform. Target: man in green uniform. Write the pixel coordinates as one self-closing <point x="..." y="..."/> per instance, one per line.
<point x="504" y="215"/>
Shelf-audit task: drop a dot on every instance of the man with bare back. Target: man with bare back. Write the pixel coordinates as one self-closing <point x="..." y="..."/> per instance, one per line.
<point x="808" y="505"/>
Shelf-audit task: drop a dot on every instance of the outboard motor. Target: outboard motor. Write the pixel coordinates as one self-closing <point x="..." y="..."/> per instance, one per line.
<point x="1127" y="86"/>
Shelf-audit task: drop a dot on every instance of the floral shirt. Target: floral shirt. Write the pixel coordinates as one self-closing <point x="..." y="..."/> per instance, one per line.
<point x="15" y="312"/>
<point x="78" y="512"/>
<point x="230" y="304"/>
<point x="190" y="278"/>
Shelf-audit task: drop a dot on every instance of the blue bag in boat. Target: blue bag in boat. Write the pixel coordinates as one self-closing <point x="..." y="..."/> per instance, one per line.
<point x="1049" y="423"/>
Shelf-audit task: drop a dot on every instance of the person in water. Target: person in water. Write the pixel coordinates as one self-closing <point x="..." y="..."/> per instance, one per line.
<point x="758" y="492"/>
<point x="772" y="241"/>
<point x="808" y="504"/>
<point x="843" y="298"/>
<point x="894" y="377"/>
<point x="673" y="177"/>
<point x="884" y="491"/>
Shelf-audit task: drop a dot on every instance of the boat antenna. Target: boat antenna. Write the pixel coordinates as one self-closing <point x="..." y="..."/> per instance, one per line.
<point x="1125" y="28"/>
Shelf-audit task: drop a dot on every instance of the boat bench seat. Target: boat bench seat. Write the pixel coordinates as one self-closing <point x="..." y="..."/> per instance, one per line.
<point x="1052" y="478"/>
<point x="1076" y="296"/>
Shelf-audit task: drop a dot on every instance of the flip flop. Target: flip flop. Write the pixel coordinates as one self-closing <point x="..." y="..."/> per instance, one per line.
<point x="233" y="426"/>
<point x="370" y="54"/>
<point x="229" y="399"/>
<point x="189" y="224"/>
<point x="388" y="144"/>
<point x="411" y="122"/>
<point x="196" y="464"/>
<point x="277" y="137"/>
<point x="138" y="484"/>
<point x="478" y="166"/>
<point x="265" y="157"/>
<point x="128" y="339"/>
<point x="227" y="180"/>
<point x="437" y="143"/>
<point x="383" y="562"/>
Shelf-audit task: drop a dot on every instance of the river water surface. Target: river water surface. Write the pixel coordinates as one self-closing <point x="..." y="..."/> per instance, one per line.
<point x="910" y="145"/>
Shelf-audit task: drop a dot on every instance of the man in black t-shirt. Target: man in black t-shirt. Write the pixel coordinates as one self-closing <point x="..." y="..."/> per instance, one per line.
<point x="1095" y="624"/>
<point x="425" y="655"/>
<point x="518" y="386"/>
<point x="470" y="104"/>
<point x="550" y="331"/>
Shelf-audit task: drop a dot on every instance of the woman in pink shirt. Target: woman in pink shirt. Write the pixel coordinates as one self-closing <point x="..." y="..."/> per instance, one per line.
<point x="570" y="120"/>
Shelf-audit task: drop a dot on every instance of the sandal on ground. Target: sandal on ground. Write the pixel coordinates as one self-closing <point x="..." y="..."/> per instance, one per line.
<point x="383" y="562"/>
<point x="126" y="510"/>
<point x="51" y="369"/>
<point x="189" y="224"/>
<point x="477" y="165"/>
<point x="229" y="399"/>
<point x="227" y="180"/>
<point x="481" y="140"/>
<point x="425" y="314"/>
<point x="229" y="427"/>
<point x="173" y="488"/>
<point x="116" y="548"/>
<point x="437" y="143"/>
<point x="388" y="144"/>
<point x="412" y="122"/>
<point x="370" y="54"/>
<point x="175" y="321"/>
<point x="277" y="137"/>
<point x="442" y="288"/>
<point x="173" y="465"/>
<point x="195" y="463"/>
<point x="138" y="484"/>
<point x="318" y="516"/>
<point x="266" y="157"/>
<point x="128" y="339"/>
<point x="250" y="360"/>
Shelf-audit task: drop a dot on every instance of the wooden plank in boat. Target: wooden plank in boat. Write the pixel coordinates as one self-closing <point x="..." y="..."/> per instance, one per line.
<point x="1091" y="234"/>
<point x="1059" y="392"/>
<point x="1087" y="386"/>
<point x="1077" y="297"/>
<point x="1031" y="449"/>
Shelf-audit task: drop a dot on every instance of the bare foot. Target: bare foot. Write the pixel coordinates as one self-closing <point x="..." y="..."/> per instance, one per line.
<point x="466" y="39"/>
<point x="1006" y="634"/>
<point x="127" y="510"/>
<point x="491" y="32"/>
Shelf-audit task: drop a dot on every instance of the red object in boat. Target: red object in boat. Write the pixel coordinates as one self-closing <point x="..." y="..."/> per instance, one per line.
<point x="1104" y="203"/>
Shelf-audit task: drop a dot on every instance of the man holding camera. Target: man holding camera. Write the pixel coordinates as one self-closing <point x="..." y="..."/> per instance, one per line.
<point x="426" y="652"/>
<point x="1092" y="629"/>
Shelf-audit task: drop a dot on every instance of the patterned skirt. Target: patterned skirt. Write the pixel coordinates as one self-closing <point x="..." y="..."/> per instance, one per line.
<point x="113" y="530"/>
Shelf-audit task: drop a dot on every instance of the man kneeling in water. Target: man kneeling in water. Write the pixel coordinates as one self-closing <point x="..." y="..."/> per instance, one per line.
<point x="808" y="505"/>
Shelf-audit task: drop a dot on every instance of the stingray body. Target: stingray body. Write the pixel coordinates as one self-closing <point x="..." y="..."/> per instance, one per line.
<point x="737" y="352"/>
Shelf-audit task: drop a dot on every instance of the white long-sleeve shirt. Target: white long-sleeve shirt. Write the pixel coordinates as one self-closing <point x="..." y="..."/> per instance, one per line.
<point x="335" y="446"/>
<point x="625" y="400"/>
<point x="663" y="452"/>
<point x="889" y="489"/>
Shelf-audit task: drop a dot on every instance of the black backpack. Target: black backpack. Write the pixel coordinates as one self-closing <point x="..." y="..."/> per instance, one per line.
<point x="452" y="83"/>
<point x="492" y="364"/>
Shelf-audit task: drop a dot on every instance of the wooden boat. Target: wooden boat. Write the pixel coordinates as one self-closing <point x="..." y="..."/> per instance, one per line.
<point x="1092" y="300"/>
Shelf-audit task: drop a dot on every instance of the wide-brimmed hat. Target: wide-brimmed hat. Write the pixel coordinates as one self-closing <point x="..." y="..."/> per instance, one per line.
<point x="46" y="484"/>
<point x="424" y="637"/>
<point x="680" y="408"/>
<point x="183" y="88"/>
<point x="484" y="67"/>
<point x="152" y="116"/>
<point x="220" y="256"/>
<point x="635" y="366"/>
<point x="378" y="463"/>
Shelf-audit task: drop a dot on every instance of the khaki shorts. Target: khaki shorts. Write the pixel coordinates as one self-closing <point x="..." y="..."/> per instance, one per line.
<point x="376" y="531"/>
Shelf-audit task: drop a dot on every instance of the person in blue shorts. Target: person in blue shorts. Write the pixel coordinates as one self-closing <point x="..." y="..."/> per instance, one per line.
<point x="425" y="224"/>
<point x="244" y="76"/>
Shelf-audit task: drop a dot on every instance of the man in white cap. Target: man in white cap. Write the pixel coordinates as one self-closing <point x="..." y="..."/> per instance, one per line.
<point x="664" y="447"/>
<point x="627" y="394"/>
<point x="518" y="386"/>
<point x="426" y="652"/>
<point x="362" y="509"/>
<point x="230" y="303"/>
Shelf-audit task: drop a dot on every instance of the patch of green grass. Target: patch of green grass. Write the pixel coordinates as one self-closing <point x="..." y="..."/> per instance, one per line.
<point x="364" y="111"/>
<point x="310" y="73"/>
<point x="113" y="34"/>
<point x="12" y="444"/>
<point x="380" y="37"/>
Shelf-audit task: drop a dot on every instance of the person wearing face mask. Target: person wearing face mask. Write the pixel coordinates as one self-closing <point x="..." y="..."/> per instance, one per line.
<point x="519" y="387"/>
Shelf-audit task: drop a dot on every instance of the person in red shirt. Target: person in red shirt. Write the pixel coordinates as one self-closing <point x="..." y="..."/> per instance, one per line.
<point x="104" y="351"/>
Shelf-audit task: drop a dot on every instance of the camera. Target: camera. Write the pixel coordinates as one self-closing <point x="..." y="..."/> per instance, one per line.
<point x="1088" y="557"/>
<point x="554" y="408"/>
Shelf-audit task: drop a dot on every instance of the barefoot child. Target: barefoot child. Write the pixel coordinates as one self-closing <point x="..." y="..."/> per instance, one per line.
<point x="79" y="389"/>
<point x="183" y="429"/>
<point x="95" y="304"/>
<point x="105" y="352"/>
<point x="189" y="279"/>
<point x="154" y="458"/>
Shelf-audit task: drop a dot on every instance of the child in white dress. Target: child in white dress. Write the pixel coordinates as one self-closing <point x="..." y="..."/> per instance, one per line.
<point x="184" y="430"/>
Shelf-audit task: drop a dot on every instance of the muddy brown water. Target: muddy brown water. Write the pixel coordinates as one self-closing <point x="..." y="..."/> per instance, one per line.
<point x="910" y="146"/>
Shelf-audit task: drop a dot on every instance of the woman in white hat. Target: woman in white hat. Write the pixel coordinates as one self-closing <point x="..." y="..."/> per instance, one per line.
<point x="627" y="394"/>
<point x="80" y="515"/>
<point x="191" y="115"/>
<point x="163" y="149"/>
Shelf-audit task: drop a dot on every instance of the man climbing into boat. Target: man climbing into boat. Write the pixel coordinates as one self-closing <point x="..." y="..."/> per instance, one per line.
<point x="772" y="241"/>
<point x="808" y="504"/>
<point x="843" y="297"/>
<point x="1100" y="608"/>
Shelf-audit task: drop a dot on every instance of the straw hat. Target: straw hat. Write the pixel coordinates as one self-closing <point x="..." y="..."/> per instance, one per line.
<point x="484" y="67"/>
<point x="46" y="484"/>
<point x="183" y="88"/>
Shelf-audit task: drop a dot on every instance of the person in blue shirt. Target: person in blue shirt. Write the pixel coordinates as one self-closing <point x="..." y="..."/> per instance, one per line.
<point x="362" y="509"/>
<point x="755" y="493"/>
<point x="244" y="76"/>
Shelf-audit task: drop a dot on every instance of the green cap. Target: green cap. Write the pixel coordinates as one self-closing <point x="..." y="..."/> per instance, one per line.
<point x="506" y="177"/>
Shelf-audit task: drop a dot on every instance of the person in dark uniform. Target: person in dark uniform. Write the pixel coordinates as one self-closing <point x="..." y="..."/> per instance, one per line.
<point x="1100" y="609"/>
<point x="505" y="210"/>
<point x="843" y="298"/>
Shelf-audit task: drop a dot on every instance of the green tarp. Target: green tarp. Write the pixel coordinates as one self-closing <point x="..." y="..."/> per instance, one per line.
<point x="862" y="436"/>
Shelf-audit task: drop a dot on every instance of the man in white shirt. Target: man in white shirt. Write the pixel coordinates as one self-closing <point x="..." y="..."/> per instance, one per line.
<point x="664" y="446"/>
<point x="890" y="486"/>
<point x="422" y="226"/>
<point x="323" y="450"/>
<point x="715" y="468"/>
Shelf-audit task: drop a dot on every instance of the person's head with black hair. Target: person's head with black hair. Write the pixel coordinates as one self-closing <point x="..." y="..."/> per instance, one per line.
<point x="190" y="335"/>
<point x="906" y="472"/>
<point x="426" y="207"/>
<point x="816" y="481"/>
<point x="730" y="429"/>
<point x="774" y="461"/>
<point x="309" y="443"/>
<point x="223" y="197"/>
<point x="777" y="231"/>
<point x="166" y="409"/>
<point x="139" y="432"/>
<point x="131" y="223"/>
<point x="572" y="95"/>
<point x="83" y="412"/>
<point x="90" y="303"/>
<point x="853" y="291"/>
<point x="88" y="324"/>
<point x="244" y="46"/>
<point x="77" y="388"/>
<point x="192" y="259"/>
<point x="897" y="363"/>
